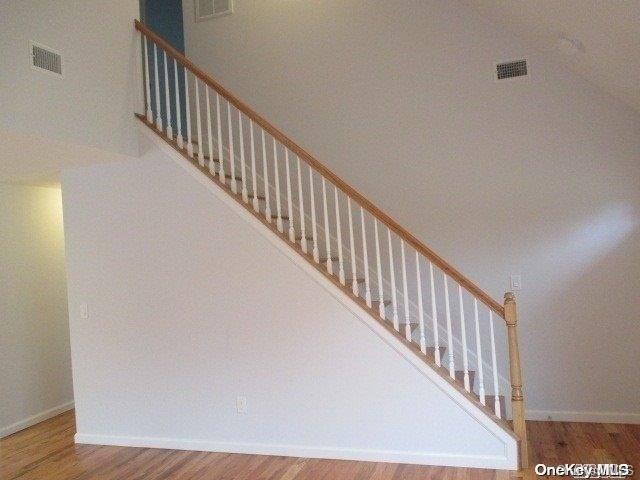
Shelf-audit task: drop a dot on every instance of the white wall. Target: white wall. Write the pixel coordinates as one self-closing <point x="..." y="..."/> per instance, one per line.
<point x="35" y="360"/>
<point x="189" y="307"/>
<point x="93" y="104"/>
<point x="537" y="177"/>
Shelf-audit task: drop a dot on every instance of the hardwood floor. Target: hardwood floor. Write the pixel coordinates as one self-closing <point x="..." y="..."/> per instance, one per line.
<point x="47" y="451"/>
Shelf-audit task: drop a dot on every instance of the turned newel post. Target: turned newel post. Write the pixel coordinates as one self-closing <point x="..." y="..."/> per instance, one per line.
<point x="517" y="397"/>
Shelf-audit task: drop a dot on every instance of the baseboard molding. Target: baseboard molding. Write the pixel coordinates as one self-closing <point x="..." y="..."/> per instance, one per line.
<point x="419" y="458"/>
<point x="589" y="417"/>
<point x="34" y="419"/>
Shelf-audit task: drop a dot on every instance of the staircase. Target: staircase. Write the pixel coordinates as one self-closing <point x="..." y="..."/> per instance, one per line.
<point x="448" y="322"/>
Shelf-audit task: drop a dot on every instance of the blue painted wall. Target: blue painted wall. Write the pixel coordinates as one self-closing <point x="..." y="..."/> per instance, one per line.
<point x="164" y="17"/>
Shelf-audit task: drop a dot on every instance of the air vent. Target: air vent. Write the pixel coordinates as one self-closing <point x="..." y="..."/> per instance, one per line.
<point x="206" y="9"/>
<point x="45" y="59"/>
<point x="511" y="69"/>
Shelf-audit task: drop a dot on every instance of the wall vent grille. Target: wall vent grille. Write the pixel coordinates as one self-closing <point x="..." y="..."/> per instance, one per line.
<point x="44" y="58"/>
<point x="511" y="69"/>
<point x="206" y="9"/>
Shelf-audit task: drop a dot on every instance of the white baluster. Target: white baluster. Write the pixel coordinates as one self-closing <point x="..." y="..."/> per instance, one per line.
<point x="367" y="289"/>
<point x="314" y="224"/>
<point x="179" y="138"/>
<point x="157" y="87"/>
<point x="354" y="273"/>
<point x="479" y="353"/>
<point x="212" y="165"/>
<point x="292" y="233"/>
<point x="166" y="96"/>
<point x="265" y="177"/>
<point x="447" y="308"/>
<point x="341" y="275"/>
<point x="405" y="290"/>
<point x="243" y="167"/>
<point x="494" y="368"/>
<point x="198" y="124"/>
<point x="187" y="104"/>
<point x="394" y="293"/>
<point x="147" y="80"/>
<point x="277" y="175"/>
<point x="327" y="237"/>
<point x="434" y="315"/>
<point x="232" y="158"/>
<point x="303" y="230"/>
<point x="221" y="173"/>
<point x="381" y="309"/>
<point x="463" y="334"/>
<point x="141" y="103"/>
<point x="254" y="180"/>
<point x="423" y="340"/>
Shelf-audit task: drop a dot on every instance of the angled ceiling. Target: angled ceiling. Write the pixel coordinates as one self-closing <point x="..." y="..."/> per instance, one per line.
<point x="609" y="31"/>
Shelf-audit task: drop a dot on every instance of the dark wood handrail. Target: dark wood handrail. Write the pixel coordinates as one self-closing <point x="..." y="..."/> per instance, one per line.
<point x="328" y="174"/>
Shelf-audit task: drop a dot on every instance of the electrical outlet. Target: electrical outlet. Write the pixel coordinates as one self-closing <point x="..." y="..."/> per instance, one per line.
<point x="84" y="312"/>
<point x="241" y="404"/>
<point x="516" y="282"/>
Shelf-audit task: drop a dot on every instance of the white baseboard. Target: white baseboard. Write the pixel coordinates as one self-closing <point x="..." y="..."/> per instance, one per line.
<point x="590" y="417"/>
<point x="39" y="417"/>
<point x="419" y="458"/>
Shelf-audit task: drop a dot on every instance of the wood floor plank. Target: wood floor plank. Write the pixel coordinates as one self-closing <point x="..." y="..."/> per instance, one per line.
<point x="47" y="451"/>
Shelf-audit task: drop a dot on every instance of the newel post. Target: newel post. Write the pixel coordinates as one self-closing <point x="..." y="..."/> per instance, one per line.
<point x="517" y="397"/>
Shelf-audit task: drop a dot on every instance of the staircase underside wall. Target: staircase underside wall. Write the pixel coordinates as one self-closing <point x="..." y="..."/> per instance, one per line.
<point x="191" y="306"/>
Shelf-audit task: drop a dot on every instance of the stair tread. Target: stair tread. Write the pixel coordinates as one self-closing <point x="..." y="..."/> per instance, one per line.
<point x="206" y="157"/>
<point x="491" y="397"/>
<point x="237" y="178"/>
<point x="460" y="377"/>
<point x="431" y="352"/>
<point x="259" y="197"/>
<point x="377" y="302"/>
<point x="358" y="279"/>
<point x="489" y="401"/>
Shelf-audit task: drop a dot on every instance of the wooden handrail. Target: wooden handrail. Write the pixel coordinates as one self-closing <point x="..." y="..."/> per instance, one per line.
<point x="328" y="174"/>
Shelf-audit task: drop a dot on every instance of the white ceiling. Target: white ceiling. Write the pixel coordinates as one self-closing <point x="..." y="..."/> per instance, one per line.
<point x="608" y="29"/>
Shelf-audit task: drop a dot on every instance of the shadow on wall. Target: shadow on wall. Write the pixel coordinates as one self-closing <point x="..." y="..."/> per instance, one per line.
<point x="586" y="243"/>
<point x="590" y="327"/>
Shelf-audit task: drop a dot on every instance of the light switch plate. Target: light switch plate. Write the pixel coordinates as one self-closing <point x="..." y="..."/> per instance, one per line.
<point x="516" y="282"/>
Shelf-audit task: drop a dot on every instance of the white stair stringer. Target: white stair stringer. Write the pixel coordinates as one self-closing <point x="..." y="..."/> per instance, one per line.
<point x="489" y="431"/>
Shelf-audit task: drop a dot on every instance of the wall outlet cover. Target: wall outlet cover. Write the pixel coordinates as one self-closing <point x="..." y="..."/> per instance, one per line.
<point x="241" y="404"/>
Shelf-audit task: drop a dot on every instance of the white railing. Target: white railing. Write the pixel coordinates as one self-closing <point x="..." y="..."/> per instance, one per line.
<point x="334" y="225"/>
